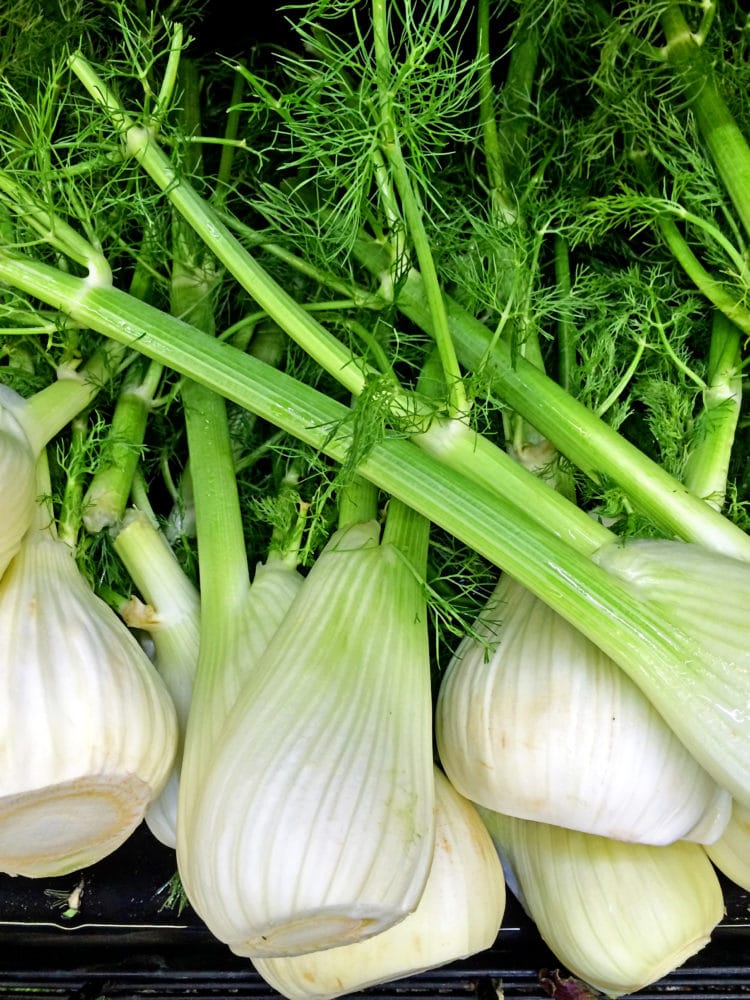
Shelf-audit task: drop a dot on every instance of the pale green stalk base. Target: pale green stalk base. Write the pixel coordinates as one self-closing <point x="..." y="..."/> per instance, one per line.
<point x="172" y="618"/>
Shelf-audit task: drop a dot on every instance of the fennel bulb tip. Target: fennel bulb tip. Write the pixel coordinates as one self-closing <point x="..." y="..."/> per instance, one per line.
<point x="60" y="828"/>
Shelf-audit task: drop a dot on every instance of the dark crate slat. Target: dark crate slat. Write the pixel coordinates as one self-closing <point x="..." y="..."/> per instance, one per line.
<point x="123" y="945"/>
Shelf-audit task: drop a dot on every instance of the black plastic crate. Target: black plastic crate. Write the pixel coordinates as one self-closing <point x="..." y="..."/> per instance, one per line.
<point x="124" y="944"/>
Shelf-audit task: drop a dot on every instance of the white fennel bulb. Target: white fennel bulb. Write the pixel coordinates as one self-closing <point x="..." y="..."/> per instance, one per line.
<point x="89" y="729"/>
<point x="731" y="852"/>
<point x="459" y="914"/>
<point x="312" y="824"/>
<point x="17" y="475"/>
<point x="172" y="619"/>
<point x="535" y="721"/>
<point x="617" y="915"/>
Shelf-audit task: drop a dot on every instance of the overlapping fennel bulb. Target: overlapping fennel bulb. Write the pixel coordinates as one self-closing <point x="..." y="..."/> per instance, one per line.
<point x="459" y="914"/>
<point x="89" y="729"/>
<point x="17" y="475"/>
<point x="617" y="915"/>
<point x="312" y="824"/>
<point x="226" y="659"/>
<point x="172" y="619"/>
<point x="535" y="721"/>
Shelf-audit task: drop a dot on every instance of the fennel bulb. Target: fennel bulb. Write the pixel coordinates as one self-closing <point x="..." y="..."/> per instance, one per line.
<point x="17" y="475"/>
<point x="172" y="619"/>
<point x="617" y="915"/>
<point x="459" y="914"/>
<point x="312" y="824"/>
<point x="731" y="852"/>
<point x="89" y="730"/>
<point x="535" y="721"/>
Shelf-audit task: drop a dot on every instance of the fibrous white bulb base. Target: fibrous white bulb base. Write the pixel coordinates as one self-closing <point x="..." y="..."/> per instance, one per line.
<point x="88" y="729"/>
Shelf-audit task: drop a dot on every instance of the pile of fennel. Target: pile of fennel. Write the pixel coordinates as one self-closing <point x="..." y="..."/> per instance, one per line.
<point x="593" y="719"/>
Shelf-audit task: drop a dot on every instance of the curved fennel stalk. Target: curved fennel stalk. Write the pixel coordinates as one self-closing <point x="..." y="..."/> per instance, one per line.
<point x="313" y="825"/>
<point x="172" y="619"/>
<point x="89" y="730"/>
<point x="459" y="915"/>
<point x="694" y="69"/>
<point x="617" y="915"/>
<point x="535" y="721"/>
<point x="578" y="433"/>
<point x="26" y="427"/>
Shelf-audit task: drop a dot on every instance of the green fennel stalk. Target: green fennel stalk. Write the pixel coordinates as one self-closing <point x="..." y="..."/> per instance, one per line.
<point x="222" y="556"/>
<point x="707" y="468"/>
<point x="726" y="143"/>
<point x="107" y="493"/>
<point x="579" y="434"/>
<point x="413" y="211"/>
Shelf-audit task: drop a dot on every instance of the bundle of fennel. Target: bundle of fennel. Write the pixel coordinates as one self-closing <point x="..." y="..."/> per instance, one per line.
<point x="499" y="254"/>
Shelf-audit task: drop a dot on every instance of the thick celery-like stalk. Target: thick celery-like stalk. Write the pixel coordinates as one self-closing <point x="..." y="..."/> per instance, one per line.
<point x="396" y="466"/>
<point x="107" y="494"/>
